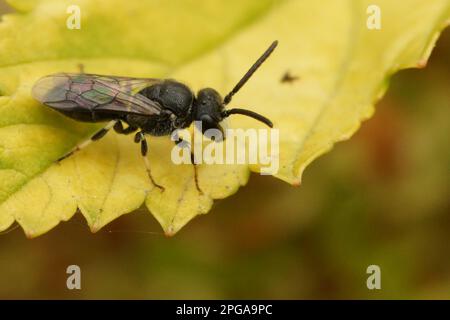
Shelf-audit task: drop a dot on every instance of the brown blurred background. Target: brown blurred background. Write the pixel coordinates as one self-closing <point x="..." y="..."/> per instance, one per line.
<point x="381" y="198"/>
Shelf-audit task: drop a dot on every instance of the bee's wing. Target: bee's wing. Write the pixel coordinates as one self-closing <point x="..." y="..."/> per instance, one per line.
<point x="69" y="92"/>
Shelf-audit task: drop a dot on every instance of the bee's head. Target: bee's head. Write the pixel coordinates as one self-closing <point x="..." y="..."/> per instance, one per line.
<point x="208" y="108"/>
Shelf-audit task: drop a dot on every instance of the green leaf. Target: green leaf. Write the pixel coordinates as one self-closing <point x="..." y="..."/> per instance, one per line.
<point x="343" y="68"/>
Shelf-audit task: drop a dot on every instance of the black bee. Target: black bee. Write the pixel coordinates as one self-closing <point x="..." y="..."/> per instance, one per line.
<point x="150" y="106"/>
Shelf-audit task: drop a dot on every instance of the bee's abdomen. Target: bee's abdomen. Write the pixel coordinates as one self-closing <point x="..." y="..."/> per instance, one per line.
<point x="158" y="125"/>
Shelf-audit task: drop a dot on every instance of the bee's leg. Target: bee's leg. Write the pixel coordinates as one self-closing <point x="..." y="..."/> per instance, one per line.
<point x="80" y="67"/>
<point x="118" y="127"/>
<point x="98" y="135"/>
<point x="184" y="144"/>
<point x="140" y="137"/>
<point x="196" y="174"/>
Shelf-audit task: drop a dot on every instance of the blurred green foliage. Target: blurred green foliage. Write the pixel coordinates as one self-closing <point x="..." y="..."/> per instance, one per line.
<point x="381" y="198"/>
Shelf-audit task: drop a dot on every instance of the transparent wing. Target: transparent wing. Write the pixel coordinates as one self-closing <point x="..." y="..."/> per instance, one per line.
<point x="90" y="92"/>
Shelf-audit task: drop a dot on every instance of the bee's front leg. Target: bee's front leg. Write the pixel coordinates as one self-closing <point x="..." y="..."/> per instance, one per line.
<point x="184" y="144"/>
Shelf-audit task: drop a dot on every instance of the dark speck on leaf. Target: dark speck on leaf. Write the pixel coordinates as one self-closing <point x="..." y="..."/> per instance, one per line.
<point x="289" y="78"/>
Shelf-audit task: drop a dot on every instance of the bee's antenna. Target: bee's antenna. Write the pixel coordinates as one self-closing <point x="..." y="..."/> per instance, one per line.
<point x="248" y="113"/>
<point x="250" y="72"/>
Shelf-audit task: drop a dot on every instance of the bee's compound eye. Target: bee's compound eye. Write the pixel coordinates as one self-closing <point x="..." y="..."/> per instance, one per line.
<point x="208" y="122"/>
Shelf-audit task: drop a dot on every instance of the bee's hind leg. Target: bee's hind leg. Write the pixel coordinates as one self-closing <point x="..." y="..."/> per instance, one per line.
<point x="184" y="144"/>
<point x="140" y="137"/>
<point x="98" y="135"/>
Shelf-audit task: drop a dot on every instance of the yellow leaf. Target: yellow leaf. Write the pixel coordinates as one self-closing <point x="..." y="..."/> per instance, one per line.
<point x="342" y="68"/>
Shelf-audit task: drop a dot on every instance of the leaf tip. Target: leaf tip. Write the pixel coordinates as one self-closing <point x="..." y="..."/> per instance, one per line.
<point x="422" y="63"/>
<point x="95" y="228"/>
<point x="29" y="234"/>
<point x="170" y="231"/>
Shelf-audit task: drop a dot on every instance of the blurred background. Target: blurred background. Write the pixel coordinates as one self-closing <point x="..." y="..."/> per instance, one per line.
<point x="381" y="198"/>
